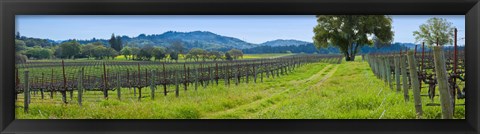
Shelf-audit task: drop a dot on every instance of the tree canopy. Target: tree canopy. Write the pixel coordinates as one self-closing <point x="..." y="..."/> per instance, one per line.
<point x="349" y="32"/>
<point x="197" y="53"/>
<point x="116" y="43"/>
<point x="435" y="28"/>
<point x="68" y="49"/>
<point x="235" y="53"/>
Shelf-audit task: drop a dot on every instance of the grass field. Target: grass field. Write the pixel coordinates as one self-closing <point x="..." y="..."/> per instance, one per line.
<point x="314" y="91"/>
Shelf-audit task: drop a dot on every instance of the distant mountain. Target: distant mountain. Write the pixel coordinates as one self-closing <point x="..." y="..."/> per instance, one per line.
<point x="280" y="42"/>
<point x="211" y="41"/>
<point x="196" y="39"/>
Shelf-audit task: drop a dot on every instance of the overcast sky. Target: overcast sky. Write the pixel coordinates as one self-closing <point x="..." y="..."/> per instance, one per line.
<point x="251" y="28"/>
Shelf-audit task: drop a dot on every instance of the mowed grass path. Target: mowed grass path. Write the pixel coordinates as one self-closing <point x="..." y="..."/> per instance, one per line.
<point x="314" y="91"/>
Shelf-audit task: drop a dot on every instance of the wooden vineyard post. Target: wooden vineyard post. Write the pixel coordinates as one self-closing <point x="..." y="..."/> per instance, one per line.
<point x="441" y="72"/>
<point x="64" y="92"/>
<point x="196" y="78"/>
<point x="277" y="69"/>
<point x="51" y="85"/>
<point x="225" y="74"/>
<point x="200" y="77"/>
<point x="372" y="65"/>
<point x="26" y="92"/>
<point x="80" y="87"/>
<point x="261" y="72"/>
<point x="236" y="75"/>
<point x="377" y="63"/>
<point x="389" y="72"/>
<point x="403" y="70"/>
<point x="205" y="79"/>
<point x="210" y="75"/>
<point x="254" y="74"/>
<point x="105" y="91"/>
<point x="286" y="67"/>
<point x="397" y="72"/>
<point x="135" y="86"/>
<point x="41" y="89"/>
<point x="375" y="66"/>
<point x="186" y="78"/>
<point x="415" y="84"/>
<point x="176" y="84"/>
<point x="216" y="73"/>
<point x="383" y="69"/>
<point x="229" y="71"/>
<point x="152" y="84"/>
<point x="246" y="73"/>
<point x="139" y="82"/>
<point x="267" y="69"/>
<point x="164" y="80"/>
<point x="272" y="70"/>
<point x="128" y="81"/>
<point x="119" y="87"/>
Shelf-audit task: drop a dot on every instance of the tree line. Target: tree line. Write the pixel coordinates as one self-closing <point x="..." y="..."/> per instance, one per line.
<point x="98" y="50"/>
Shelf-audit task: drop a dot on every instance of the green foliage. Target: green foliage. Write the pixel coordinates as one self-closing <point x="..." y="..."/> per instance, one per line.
<point x="135" y="52"/>
<point x="177" y="46"/>
<point x="118" y="44"/>
<point x="126" y="52"/>
<point x="20" y="45"/>
<point x="435" y="28"/>
<point x="68" y="50"/>
<point x="112" y="41"/>
<point x="31" y="42"/>
<point x="159" y="53"/>
<point x="100" y="52"/>
<point x="38" y="53"/>
<point x="349" y="32"/>
<point x="215" y="55"/>
<point x="228" y="57"/>
<point x="145" y="53"/>
<point x="235" y="53"/>
<point x="197" y="53"/>
<point x="112" y="53"/>
<point x="88" y="50"/>
<point x="174" y="56"/>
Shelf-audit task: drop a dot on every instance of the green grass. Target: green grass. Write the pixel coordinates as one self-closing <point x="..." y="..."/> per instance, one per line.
<point x="314" y="91"/>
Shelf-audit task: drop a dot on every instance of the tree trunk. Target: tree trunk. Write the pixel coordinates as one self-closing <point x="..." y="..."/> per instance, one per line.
<point x="347" y="56"/>
<point x="352" y="56"/>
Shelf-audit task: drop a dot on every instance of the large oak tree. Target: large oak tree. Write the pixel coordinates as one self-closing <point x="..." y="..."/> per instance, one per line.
<point x="349" y="32"/>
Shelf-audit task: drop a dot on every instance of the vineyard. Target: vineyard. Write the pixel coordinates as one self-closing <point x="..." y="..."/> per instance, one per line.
<point x="251" y="88"/>
<point x="424" y="72"/>
<point x="46" y="79"/>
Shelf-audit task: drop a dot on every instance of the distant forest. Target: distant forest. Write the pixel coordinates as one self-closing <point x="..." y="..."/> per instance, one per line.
<point x="310" y="49"/>
<point x="173" y="43"/>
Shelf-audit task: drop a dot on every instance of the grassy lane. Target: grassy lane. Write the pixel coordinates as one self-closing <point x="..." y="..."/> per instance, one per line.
<point x="353" y="92"/>
<point x="245" y="110"/>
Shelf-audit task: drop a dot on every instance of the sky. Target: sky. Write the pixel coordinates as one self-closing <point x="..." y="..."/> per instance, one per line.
<point x="250" y="28"/>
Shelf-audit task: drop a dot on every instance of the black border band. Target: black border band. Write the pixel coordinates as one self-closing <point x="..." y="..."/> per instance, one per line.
<point x="9" y="8"/>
